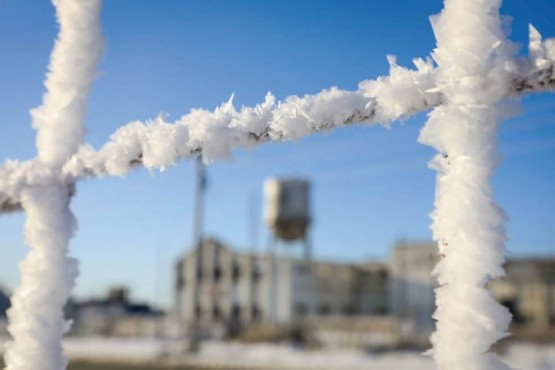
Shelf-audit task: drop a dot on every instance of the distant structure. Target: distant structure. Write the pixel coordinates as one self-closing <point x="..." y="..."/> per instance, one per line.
<point x="4" y="303"/>
<point x="115" y="315"/>
<point x="528" y="292"/>
<point x="287" y="210"/>
<point x="222" y="291"/>
<point x="412" y="298"/>
<point x="235" y="288"/>
<point x="287" y="214"/>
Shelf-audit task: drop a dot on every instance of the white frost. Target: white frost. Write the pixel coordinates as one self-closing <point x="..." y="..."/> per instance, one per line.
<point x="36" y="320"/>
<point x="473" y="58"/>
<point x="476" y="71"/>
<point x="60" y="118"/>
<point x="215" y="134"/>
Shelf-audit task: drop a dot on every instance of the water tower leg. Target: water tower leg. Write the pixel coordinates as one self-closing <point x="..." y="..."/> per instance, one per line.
<point x="307" y="249"/>
<point x="308" y="271"/>
<point x="272" y="311"/>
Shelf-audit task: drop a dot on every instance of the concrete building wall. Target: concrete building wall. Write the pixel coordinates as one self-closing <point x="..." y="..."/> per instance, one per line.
<point x="373" y="289"/>
<point x="412" y="287"/>
<point x="185" y="291"/>
<point x="325" y="288"/>
<point x="240" y="287"/>
<point x="528" y="291"/>
<point x="281" y="290"/>
<point x="282" y="300"/>
<point x="231" y="286"/>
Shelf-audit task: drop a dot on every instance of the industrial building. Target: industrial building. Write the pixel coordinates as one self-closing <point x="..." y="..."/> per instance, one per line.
<point x="114" y="315"/>
<point x="220" y="291"/>
<point x="412" y="298"/>
<point x="528" y="291"/>
<point x="238" y="289"/>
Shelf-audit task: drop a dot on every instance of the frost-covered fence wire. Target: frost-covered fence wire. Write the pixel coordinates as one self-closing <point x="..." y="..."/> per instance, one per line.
<point x="214" y="134"/>
<point x="474" y="74"/>
<point x="158" y="144"/>
<point x="36" y="321"/>
<point x="477" y="73"/>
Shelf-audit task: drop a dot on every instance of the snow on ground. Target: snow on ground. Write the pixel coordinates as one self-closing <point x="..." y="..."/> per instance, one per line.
<point x="531" y="356"/>
<point x="115" y="349"/>
<point x="287" y="357"/>
<point x="521" y="356"/>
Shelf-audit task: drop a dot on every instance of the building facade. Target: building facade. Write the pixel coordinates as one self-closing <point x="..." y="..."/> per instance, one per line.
<point x="237" y="289"/>
<point x="528" y="291"/>
<point x="412" y="298"/>
<point x="114" y="315"/>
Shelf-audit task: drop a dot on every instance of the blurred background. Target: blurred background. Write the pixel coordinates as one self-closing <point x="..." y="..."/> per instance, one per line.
<point x="357" y="278"/>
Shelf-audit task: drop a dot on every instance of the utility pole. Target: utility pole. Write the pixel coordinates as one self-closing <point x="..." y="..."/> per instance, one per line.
<point x="198" y="226"/>
<point x="253" y="263"/>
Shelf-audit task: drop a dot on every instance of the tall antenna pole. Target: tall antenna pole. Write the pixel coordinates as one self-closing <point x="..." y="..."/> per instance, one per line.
<point x="253" y="222"/>
<point x="253" y="246"/>
<point x="198" y="226"/>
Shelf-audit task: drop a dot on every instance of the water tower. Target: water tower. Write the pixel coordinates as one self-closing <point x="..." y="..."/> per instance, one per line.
<point x="287" y="214"/>
<point x="287" y="211"/>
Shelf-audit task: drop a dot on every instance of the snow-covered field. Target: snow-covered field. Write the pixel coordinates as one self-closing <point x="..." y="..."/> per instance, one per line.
<point x="520" y="355"/>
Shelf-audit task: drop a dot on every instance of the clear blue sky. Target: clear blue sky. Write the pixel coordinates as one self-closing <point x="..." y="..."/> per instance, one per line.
<point x="370" y="185"/>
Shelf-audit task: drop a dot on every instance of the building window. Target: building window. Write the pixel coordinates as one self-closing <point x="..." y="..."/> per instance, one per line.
<point x="324" y="309"/>
<point x="180" y="275"/>
<point x="180" y="279"/>
<point x="217" y="274"/>
<point x="301" y="309"/>
<point x="303" y="269"/>
<point x="255" y="313"/>
<point x="236" y="312"/>
<point x="512" y="306"/>
<point x="349" y="310"/>
<point x="256" y="272"/>
<point x="198" y="312"/>
<point x="216" y="314"/>
<point x="235" y="272"/>
<point x="382" y="310"/>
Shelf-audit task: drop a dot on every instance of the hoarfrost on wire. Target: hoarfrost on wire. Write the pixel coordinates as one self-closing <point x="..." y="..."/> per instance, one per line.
<point x="36" y="321"/>
<point x="472" y="55"/>
<point x="471" y="87"/>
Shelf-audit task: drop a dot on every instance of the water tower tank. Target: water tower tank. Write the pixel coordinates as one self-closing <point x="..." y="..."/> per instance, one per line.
<point x="287" y="207"/>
